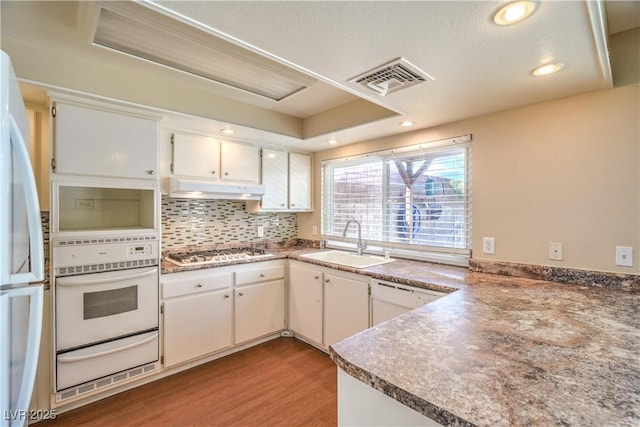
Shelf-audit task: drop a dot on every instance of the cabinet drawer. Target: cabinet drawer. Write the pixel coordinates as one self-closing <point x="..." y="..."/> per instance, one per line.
<point x="176" y="288"/>
<point x="259" y="274"/>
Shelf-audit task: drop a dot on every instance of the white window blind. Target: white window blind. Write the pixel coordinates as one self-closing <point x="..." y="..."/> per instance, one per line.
<point x="416" y="198"/>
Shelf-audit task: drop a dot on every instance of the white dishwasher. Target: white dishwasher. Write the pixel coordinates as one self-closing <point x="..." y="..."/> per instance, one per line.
<point x="389" y="300"/>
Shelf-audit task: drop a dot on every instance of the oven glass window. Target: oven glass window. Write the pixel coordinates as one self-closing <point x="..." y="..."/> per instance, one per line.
<point x="108" y="303"/>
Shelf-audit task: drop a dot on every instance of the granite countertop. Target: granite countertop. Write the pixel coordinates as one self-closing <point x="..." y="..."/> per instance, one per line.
<point x="505" y="351"/>
<point x="498" y="351"/>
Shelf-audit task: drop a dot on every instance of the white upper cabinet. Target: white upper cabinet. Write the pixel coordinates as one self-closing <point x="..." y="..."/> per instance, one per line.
<point x="195" y="156"/>
<point x="240" y="162"/>
<point x="299" y="181"/>
<point x="203" y="157"/>
<point x="99" y="141"/>
<point x="275" y="178"/>
<point x="287" y="181"/>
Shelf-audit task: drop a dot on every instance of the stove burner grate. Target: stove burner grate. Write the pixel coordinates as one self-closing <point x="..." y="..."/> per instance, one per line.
<point x="214" y="256"/>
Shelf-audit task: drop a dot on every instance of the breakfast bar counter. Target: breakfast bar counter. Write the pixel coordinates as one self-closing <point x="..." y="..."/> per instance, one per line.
<point x="507" y="351"/>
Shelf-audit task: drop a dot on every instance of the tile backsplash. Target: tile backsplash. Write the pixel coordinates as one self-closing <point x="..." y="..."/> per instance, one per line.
<point x="188" y="222"/>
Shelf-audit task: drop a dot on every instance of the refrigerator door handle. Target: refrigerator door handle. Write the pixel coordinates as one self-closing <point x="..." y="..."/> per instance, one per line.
<point x="33" y="209"/>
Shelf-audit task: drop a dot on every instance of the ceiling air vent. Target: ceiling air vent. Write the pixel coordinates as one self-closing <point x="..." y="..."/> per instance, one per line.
<point x="391" y="77"/>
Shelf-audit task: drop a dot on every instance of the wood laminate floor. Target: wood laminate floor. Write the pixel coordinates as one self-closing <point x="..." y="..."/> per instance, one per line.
<point x="283" y="382"/>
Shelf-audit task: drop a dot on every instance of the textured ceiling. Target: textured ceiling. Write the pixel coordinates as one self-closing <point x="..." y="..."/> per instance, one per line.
<point x="478" y="67"/>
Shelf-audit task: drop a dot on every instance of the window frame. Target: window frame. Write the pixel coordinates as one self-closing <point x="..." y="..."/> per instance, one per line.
<point x="445" y="255"/>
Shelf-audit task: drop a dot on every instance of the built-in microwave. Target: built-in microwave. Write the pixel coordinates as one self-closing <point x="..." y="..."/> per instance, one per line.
<point x="87" y="205"/>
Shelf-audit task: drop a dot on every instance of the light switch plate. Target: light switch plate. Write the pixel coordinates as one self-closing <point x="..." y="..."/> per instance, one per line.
<point x="624" y="256"/>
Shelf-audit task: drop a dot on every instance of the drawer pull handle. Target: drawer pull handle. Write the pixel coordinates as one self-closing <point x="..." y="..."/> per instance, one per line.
<point x="151" y="172"/>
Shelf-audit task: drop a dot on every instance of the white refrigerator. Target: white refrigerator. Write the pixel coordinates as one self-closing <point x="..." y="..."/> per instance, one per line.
<point x="21" y="256"/>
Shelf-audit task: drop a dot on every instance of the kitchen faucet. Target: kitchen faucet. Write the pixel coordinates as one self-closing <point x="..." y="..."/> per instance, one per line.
<point x="362" y="245"/>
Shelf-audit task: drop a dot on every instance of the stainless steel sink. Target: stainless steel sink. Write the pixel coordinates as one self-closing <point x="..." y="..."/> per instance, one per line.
<point x="348" y="258"/>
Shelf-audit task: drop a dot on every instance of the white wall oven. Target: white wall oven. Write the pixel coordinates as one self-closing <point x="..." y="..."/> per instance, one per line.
<point x="106" y="305"/>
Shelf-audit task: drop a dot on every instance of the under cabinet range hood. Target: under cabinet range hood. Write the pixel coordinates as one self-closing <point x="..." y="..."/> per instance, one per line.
<point x="202" y="189"/>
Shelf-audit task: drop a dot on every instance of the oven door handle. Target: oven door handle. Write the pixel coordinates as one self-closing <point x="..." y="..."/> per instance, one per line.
<point x="72" y="359"/>
<point x="82" y="280"/>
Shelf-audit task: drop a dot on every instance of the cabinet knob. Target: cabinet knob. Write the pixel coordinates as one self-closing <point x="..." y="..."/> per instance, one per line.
<point x="226" y="174"/>
<point x="261" y="274"/>
<point x="316" y="277"/>
<point x="326" y="280"/>
<point x="199" y="285"/>
<point x="240" y="294"/>
<point x="282" y="204"/>
<point x="226" y="295"/>
<point x="213" y="172"/>
<point x="293" y="204"/>
<point x="151" y="172"/>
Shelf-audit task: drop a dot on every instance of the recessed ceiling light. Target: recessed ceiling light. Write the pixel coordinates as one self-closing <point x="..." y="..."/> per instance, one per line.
<point x="333" y="141"/>
<point x="547" y="69"/>
<point x="227" y="131"/>
<point x="407" y="123"/>
<point x="514" y="12"/>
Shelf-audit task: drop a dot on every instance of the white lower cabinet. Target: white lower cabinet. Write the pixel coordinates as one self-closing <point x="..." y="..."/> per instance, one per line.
<point x="205" y="311"/>
<point x="325" y="305"/>
<point x="196" y="325"/>
<point x="197" y="315"/>
<point x="305" y="301"/>
<point x="259" y="310"/>
<point x="346" y="308"/>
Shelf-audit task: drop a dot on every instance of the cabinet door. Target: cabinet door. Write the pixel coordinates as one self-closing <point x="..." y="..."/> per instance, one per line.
<point x="104" y="143"/>
<point x="275" y="179"/>
<point x="305" y="302"/>
<point x="240" y="162"/>
<point x="299" y="181"/>
<point x="196" y="156"/>
<point x="259" y="310"/>
<point x="346" y="308"/>
<point x="196" y="325"/>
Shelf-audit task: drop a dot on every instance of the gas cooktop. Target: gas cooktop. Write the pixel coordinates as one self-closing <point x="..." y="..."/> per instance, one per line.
<point x="215" y="256"/>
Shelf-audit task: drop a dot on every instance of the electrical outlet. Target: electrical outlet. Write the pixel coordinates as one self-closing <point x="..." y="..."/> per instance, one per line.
<point x="488" y="245"/>
<point x="314" y="230"/>
<point x="624" y="256"/>
<point x="260" y="231"/>
<point x="555" y="251"/>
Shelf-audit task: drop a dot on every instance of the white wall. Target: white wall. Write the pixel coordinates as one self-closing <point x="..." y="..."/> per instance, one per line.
<point x="562" y="171"/>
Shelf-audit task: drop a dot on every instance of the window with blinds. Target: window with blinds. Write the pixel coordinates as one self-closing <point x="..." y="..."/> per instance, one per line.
<point x="415" y="198"/>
